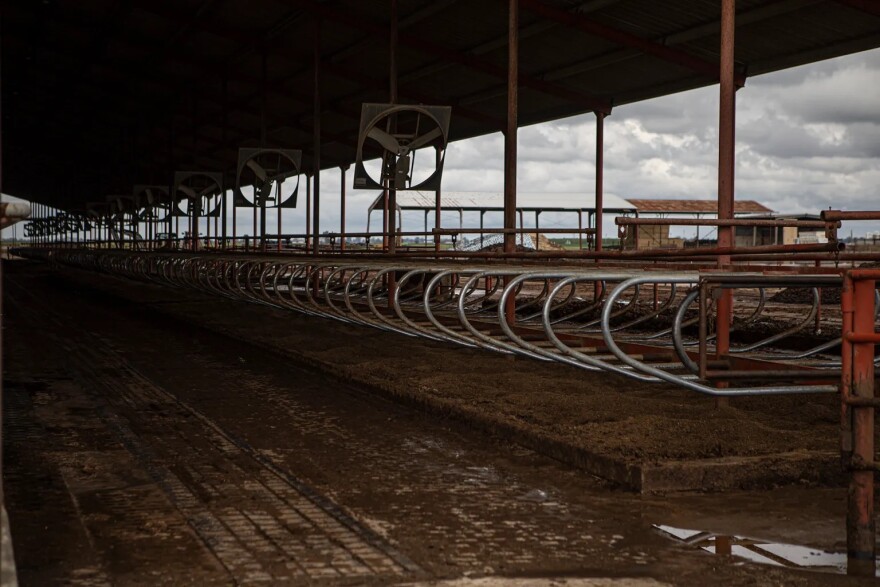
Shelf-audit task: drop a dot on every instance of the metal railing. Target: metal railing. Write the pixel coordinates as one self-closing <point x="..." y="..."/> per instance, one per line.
<point x="594" y="319"/>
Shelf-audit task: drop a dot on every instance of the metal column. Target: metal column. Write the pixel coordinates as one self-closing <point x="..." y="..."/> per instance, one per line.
<point x="726" y="138"/>
<point x="223" y="138"/>
<point x="308" y="212"/>
<point x="510" y="139"/>
<point x="264" y="107"/>
<point x="600" y="164"/>
<point x="858" y="403"/>
<point x="316" y="154"/>
<point x="342" y="170"/>
<point x="437" y="202"/>
<point x="392" y="80"/>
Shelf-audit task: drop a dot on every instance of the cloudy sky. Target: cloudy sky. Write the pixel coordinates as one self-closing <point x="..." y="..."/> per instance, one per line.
<point x="807" y="138"/>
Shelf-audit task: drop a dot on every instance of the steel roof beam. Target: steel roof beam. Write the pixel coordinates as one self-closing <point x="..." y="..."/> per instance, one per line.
<point x="757" y="14"/>
<point x="646" y="46"/>
<point x="381" y="84"/>
<point x="405" y="22"/>
<point x="360" y="22"/>
<point x="869" y="6"/>
<point x="500" y="42"/>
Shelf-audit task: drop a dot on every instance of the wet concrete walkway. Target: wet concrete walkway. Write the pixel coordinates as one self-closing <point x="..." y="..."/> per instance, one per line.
<point x="143" y="451"/>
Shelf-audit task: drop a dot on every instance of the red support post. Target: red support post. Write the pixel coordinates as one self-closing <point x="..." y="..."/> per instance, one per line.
<point x="342" y="170"/>
<point x="600" y="189"/>
<point x="726" y="138"/>
<point x="857" y="394"/>
<point x="308" y="212"/>
<point x="510" y="137"/>
<point x="600" y="164"/>
<point x="316" y="154"/>
<point x="389" y="194"/>
<point x="437" y="203"/>
<point x="392" y="183"/>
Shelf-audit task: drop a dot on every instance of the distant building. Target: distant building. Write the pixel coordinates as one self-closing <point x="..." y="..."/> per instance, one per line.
<point x="747" y="236"/>
<point x="657" y="237"/>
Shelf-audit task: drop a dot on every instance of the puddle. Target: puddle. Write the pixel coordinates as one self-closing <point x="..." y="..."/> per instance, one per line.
<point x="760" y="551"/>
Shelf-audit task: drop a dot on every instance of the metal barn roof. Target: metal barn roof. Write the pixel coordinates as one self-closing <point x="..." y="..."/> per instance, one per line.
<point x="652" y="206"/>
<point x="99" y="95"/>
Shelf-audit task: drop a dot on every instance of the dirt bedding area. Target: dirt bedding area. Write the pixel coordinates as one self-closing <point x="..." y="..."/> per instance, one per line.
<point x="563" y="411"/>
<point x="801" y="295"/>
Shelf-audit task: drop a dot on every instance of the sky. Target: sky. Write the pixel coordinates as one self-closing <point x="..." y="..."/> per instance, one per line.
<point x="807" y="138"/>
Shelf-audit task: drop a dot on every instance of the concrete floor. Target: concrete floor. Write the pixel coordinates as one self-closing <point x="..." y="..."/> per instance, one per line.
<point x="139" y="450"/>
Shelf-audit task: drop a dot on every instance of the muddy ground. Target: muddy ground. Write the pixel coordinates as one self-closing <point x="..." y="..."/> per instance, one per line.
<point x="141" y="449"/>
<point x="599" y="413"/>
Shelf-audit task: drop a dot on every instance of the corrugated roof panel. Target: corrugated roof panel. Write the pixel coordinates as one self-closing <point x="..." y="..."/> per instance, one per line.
<point x="666" y="206"/>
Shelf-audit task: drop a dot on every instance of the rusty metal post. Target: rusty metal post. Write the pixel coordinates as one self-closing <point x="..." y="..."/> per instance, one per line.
<point x="279" y="221"/>
<point x="600" y="189"/>
<point x="522" y="228"/>
<point x="223" y="139"/>
<point x="216" y="221"/>
<point x="342" y="170"/>
<point x="580" y="214"/>
<point x="148" y="227"/>
<point x="208" y="227"/>
<point x="197" y="213"/>
<point x="391" y="184"/>
<point x="817" y="326"/>
<point x="264" y="113"/>
<point x="437" y="202"/>
<point x="510" y="137"/>
<point x="860" y="524"/>
<point x="600" y="164"/>
<point x="384" y="218"/>
<point x="393" y="97"/>
<point x="316" y="120"/>
<point x="846" y="356"/>
<point x="224" y="211"/>
<point x="172" y="205"/>
<point x="255" y="229"/>
<point x="726" y="138"/>
<point x="308" y="213"/>
<point x="234" y="223"/>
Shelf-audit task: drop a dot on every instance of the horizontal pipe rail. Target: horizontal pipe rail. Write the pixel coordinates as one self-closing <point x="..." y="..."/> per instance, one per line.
<point x="840" y="215"/>
<point x="749" y="222"/>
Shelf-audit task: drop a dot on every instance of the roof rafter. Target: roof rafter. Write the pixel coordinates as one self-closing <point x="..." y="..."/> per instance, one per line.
<point x="360" y="22"/>
<point x="646" y="46"/>
<point x="869" y="6"/>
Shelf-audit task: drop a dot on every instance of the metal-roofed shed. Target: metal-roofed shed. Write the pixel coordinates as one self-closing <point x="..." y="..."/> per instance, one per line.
<point x="694" y="207"/>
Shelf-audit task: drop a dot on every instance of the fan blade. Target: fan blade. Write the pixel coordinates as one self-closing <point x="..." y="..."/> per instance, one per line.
<point x="282" y="176"/>
<point x="207" y="190"/>
<point x="423" y="140"/>
<point x="188" y="191"/>
<point x="257" y="169"/>
<point x="388" y="142"/>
